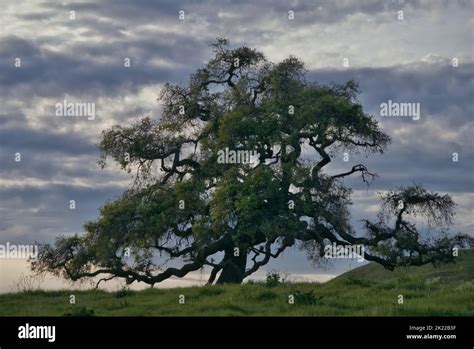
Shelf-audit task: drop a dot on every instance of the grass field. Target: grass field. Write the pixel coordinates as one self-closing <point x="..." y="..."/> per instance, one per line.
<point x="366" y="291"/>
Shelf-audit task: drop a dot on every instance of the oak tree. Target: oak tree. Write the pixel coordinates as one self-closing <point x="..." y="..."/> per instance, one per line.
<point x="185" y="210"/>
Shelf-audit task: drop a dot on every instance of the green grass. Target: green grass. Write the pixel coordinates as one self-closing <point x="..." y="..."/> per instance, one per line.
<point x="366" y="291"/>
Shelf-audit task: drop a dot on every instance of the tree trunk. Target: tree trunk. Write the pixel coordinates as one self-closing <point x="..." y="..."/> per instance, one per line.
<point x="234" y="268"/>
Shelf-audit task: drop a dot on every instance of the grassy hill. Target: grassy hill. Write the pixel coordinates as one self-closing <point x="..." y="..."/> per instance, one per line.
<point x="461" y="271"/>
<point x="366" y="291"/>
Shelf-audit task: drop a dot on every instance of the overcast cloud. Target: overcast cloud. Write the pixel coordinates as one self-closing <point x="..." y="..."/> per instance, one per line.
<point x="81" y="59"/>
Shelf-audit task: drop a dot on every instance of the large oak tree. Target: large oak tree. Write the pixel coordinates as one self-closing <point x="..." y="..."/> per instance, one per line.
<point x="185" y="205"/>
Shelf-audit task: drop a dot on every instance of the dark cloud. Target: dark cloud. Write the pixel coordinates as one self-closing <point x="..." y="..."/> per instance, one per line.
<point x="421" y="151"/>
<point x="31" y="213"/>
<point x="440" y="88"/>
<point x="45" y="73"/>
<point x="244" y="11"/>
<point x="42" y="141"/>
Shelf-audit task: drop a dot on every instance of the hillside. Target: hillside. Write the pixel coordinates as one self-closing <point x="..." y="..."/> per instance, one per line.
<point x="366" y="291"/>
<point x="461" y="271"/>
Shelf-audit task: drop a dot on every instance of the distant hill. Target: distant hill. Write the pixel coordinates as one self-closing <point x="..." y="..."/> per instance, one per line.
<point x="460" y="271"/>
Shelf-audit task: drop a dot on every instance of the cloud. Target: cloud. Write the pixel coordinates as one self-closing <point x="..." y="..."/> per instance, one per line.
<point x="41" y="213"/>
<point x="82" y="59"/>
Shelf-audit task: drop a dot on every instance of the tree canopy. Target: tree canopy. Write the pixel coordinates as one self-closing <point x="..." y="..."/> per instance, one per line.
<point x="195" y="211"/>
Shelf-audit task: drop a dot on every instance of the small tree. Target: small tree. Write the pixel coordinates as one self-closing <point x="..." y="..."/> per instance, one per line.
<point x="234" y="217"/>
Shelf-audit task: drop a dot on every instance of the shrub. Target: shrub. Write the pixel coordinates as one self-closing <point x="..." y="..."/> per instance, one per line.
<point x="306" y="298"/>
<point x="273" y="278"/>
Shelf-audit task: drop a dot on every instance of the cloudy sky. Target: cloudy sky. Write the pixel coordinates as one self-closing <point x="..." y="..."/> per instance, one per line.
<point x="79" y="56"/>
